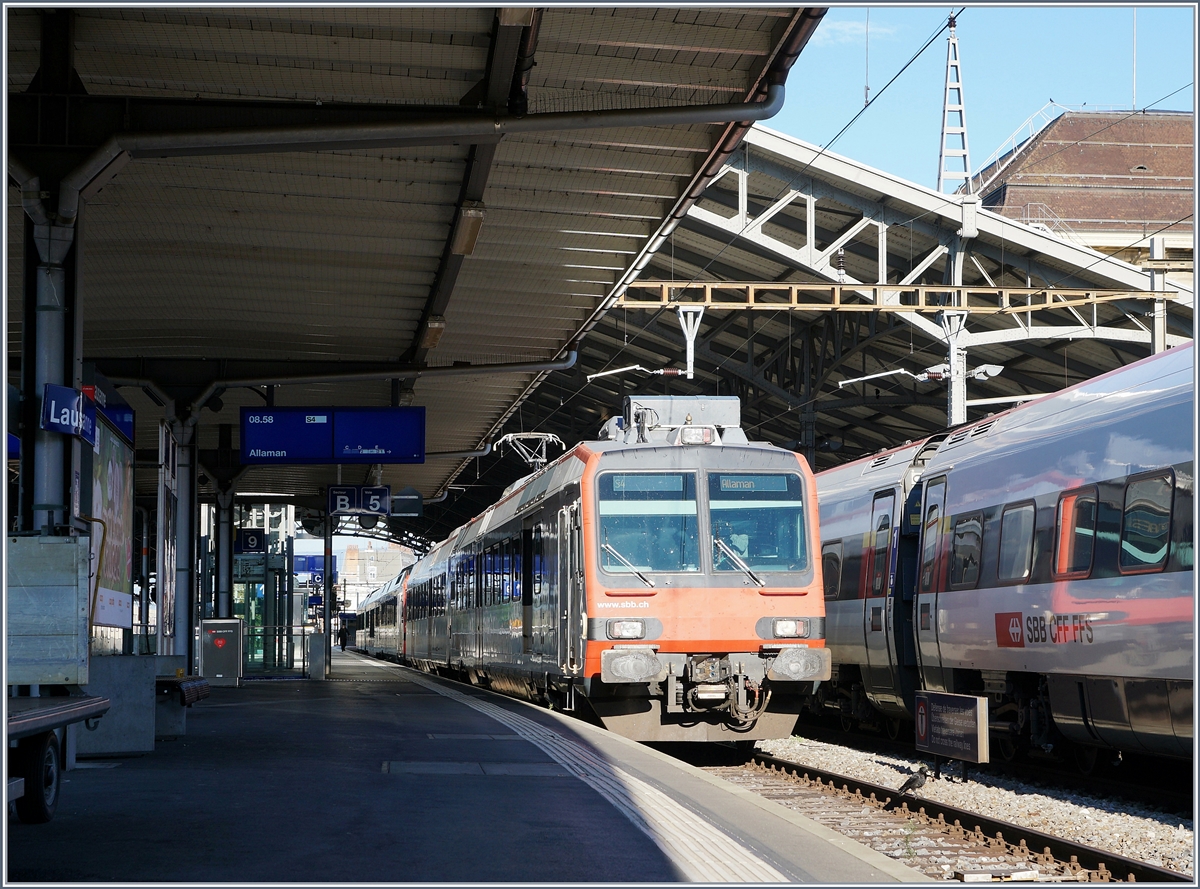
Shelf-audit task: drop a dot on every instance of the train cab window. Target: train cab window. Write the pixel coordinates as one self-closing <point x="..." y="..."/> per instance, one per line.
<point x="831" y="568"/>
<point x="881" y="525"/>
<point x="1146" y="525"/>
<point x="1075" y="533"/>
<point x="758" y="520"/>
<point x="964" y="556"/>
<point x="648" y="522"/>
<point x="1016" y="543"/>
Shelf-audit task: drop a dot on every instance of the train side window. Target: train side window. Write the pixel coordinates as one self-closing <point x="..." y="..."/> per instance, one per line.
<point x="831" y="568"/>
<point x="1016" y="543"/>
<point x="965" y="553"/>
<point x="1075" y="533"/>
<point x="881" y="525"/>
<point x="1146" y="524"/>
<point x="931" y="533"/>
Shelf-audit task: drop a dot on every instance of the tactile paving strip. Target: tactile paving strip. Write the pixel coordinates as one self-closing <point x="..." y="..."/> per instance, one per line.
<point x="700" y="851"/>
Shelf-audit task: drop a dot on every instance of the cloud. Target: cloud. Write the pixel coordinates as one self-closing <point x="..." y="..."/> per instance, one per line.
<point x="841" y="32"/>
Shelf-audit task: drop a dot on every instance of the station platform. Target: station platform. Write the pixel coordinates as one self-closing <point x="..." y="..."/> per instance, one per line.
<point x="385" y="774"/>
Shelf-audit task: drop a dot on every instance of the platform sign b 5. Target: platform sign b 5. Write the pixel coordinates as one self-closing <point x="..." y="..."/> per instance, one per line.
<point x="360" y="500"/>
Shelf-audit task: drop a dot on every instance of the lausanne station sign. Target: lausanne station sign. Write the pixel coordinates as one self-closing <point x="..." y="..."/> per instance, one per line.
<point x="306" y="435"/>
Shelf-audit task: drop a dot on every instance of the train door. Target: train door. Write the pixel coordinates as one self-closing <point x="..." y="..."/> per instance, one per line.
<point x="928" y="582"/>
<point x="881" y="571"/>
<point x="545" y="598"/>
<point x="476" y="569"/>
<point x="569" y="614"/>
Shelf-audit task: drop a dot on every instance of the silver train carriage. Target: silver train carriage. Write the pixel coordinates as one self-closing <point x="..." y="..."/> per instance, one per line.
<point x="1042" y="557"/>
<point x="378" y="632"/>
<point x="664" y="578"/>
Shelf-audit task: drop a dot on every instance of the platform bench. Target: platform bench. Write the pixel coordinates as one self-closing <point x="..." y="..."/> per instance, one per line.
<point x="189" y="689"/>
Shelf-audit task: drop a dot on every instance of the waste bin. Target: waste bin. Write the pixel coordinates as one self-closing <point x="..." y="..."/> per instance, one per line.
<point x="221" y="660"/>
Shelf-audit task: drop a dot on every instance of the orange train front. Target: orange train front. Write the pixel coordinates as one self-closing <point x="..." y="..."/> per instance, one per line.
<point x="665" y="577"/>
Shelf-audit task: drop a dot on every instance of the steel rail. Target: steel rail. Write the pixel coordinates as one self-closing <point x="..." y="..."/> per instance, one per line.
<point x="1136" y="787"/>
<point x="1066" y="852"/>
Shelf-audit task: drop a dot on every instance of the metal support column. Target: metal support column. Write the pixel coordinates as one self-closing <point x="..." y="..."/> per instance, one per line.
<point x="225" y="554"/>
<point x="270" y="615"/>
<point x="953" y="323"/>
<point x="185" y="543"/>
<point x="808" y="425"/>
<point x="1158" y="281"/>
<point x="330" y="521"/>
<point x="289" y="581"/>
<point x="954" y="121"/>
<point x="144" y="597"/>
<point x="50" y="359"/>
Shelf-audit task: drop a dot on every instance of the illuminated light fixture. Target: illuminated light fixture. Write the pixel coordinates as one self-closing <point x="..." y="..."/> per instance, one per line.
<point x="626" y="629"/>
<point x="695" y="435"/>
<point x="790" y="628"/>
<point x="467" y="224"/>
<point x="432" y="335"/>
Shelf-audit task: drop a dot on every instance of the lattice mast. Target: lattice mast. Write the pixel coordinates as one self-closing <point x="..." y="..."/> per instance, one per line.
<point x="954" y="123"/>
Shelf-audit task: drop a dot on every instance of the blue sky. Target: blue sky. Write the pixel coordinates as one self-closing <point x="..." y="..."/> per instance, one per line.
<point x="1014" y="61"/>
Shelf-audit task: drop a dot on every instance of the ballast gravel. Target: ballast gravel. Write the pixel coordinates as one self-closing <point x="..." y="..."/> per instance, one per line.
<point x="1128" y="829"/>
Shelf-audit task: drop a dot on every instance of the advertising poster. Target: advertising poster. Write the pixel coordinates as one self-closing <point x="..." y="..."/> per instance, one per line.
<point x="112" y="503"/>
<point x="168" y="505"/>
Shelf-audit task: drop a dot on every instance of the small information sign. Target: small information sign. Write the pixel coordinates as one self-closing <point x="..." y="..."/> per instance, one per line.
<point x="407" y="502"/>
<point x="250" y="540"/>
<point x="954" y="726"/>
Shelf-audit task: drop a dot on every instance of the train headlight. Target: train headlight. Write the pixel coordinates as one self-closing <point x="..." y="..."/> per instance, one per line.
<point x="694" y="435"/>
<point x="626" y="629"/>
<point x="790" y="628"/>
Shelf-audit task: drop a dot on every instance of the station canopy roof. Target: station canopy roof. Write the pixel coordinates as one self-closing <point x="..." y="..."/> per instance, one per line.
<point x="276" y="194"/>
<point x="277" y="200"/>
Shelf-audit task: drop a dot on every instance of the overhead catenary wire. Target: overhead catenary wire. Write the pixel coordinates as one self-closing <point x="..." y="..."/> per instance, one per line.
<point x="568" y="394"/>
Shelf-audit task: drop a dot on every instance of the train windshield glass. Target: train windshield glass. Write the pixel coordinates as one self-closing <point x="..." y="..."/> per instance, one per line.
<point x="759" y="519"/>
<point x="648" y="522"/>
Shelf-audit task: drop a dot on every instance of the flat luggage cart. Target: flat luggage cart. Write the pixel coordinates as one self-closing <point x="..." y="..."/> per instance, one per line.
<point x="37" y="725"/>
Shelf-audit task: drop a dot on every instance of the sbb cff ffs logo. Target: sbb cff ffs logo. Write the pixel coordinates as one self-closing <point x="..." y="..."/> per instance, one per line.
<point x="1010" y="630"/>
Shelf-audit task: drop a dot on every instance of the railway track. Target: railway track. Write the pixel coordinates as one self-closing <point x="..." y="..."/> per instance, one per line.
<point x="1154" y="783"/>
<point x="942" y="841"/>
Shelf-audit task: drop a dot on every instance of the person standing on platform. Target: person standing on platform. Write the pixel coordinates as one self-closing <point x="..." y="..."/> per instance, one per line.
<point x="342" y="634"/>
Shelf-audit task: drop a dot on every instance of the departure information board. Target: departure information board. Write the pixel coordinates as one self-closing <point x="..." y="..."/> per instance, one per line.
<point x="305" y="435"/>
<point x="287" y="435"/>
<point x="379" y="435"/>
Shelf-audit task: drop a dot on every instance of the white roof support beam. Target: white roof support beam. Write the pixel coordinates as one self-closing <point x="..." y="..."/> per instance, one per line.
<point x="1066" y="332"/>
<point x="944" y="210"/>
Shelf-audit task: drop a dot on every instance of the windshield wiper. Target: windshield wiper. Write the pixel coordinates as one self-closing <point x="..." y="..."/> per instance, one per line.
<point x="608" y="548"/>
<point x="736" y="559"/>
